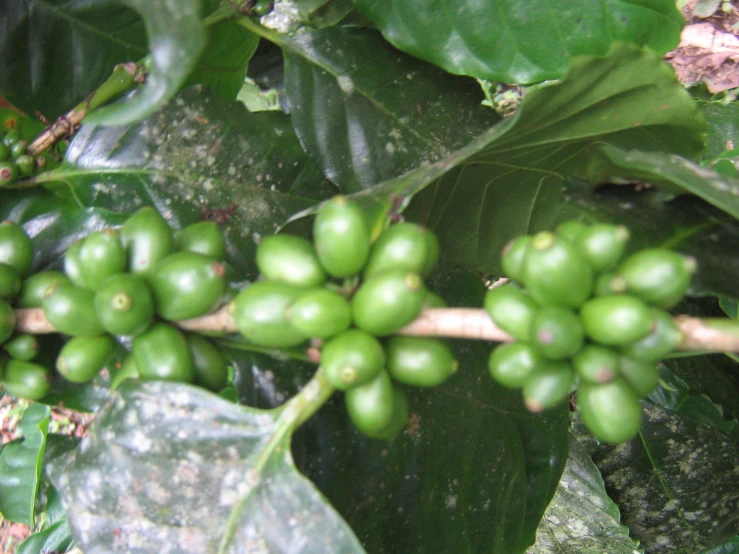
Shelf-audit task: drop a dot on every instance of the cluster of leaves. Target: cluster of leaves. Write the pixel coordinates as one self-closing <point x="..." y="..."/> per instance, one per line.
<point x="380" y="101"/>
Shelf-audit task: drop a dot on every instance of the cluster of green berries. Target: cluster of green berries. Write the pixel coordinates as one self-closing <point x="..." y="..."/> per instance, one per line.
<point x="129" y="282"/>
<point x="15" y="162"/>
<point x="584" y="316"/>
<point x="348" y="294"/>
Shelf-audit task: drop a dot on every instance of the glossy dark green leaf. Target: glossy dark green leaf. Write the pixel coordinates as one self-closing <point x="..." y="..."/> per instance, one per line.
<point x="148" y="475"/>
<point x="197" y="158"/>
<point x="685" y="224"/>
<point x="581" y="518"/>
<point x="325" y="13"/>
<point x="680" y="492"/>
<point x="494" y="40"/>
<point x="366" y="112"/>
<point x="55" y="534"/>
<point x="21" y="464"/>
<point x="42" y="41"/>
<point x="176" y="38"/>
<point x="723" y="127"/>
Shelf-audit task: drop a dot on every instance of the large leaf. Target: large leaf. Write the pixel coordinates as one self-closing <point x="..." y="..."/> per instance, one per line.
<point x="677" y="485"/>
<point x="53" y="53"/>
<point x="723" y="127"/>
<point x="20" y="466"/>
<point x="367" y="113"/>
<point x="176" y="38"/>
<point x="581" y="519"/>
<point x="171" y="464"/>
<point x="521" y="42"/>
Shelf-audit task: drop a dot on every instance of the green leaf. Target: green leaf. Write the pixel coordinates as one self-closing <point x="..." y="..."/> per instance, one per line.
<point x="729" y="547"/>
<point x="20" y="466"/>
<point x="514" y="42"/>
<point x="367" y="113"/>
<point x="56" y="537"/>
<point x="176" y="38"/>
<point x="172" y="464"/>
<point x="54" y="53"/>
<point x="581" y="519"/>
<point x="723" y="127"/>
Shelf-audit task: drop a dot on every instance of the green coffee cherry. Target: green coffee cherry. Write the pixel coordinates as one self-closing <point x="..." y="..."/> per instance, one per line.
<point x="35" y="287"/>
<point x="83" y="357"/>
<point x="513" y="257"/>
<point x="596" y="364"/>
<point x="290" y="259"/>
<point x="71" y="310"/>
<point x="187" y="285"/>
<point x="609" y="283"/>
<point x="342" y="237"/>
<point x="27" y="380"/>
<point x="433" y="300"/>
<point x="7" y="321"/>
<point x="26" y="165"/>
<point x="259" y="314"/>
<point x="371" y="405"/>
<point x="4" y="152"/>
<point x="124" y="304"/>
<point x="610" y="410"/>
<point x="602" y="245"/>
<point x="211" y="368"/>
<point x="8" y="173"/>
<point x="548" y="386"/>
<point x="401" y="411"/>
<point x="72" y="265"/>
<point x="512" y="363"/>
<point x="351" y="359"/>
<point x="556" y="333"/>
<point x="663" y="338"/>
<point x="659" y="277"/>
<point x="320" y="313"/>
<point x="147" y="239"/>
<point x="101" y="255"/>
<point x="387" y="302"/>
<point x="555" y="273"/>
<point x="571" y="230"/>
<point x="511" y="309"/>
<point x="11" y="137"/>
<point x="18" y="149"/>
<point x="162" y="353"/>
<point x="16" y="249"/>
<point x="404" y="246"/>
<point x="128" y="370"/>
<point x="204" y="237"/>
<point x="615" y="320"/>
<point x="642" y="376"/>
<point x="10" y="282"/>
<point x="419" y="361"/>
<point x="22" y="347"/>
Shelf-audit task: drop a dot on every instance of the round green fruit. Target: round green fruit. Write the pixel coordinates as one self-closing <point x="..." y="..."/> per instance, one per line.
<point x="511" y="309"/>
<point x="609" y="283"/>
<point x="571" y="230"/>
<point x="26" y="165"/>
<point x="659" y="277"/>
<point x="596" y="364"/>
<point x="204" y="237"/>
<point x="211" y="368"/>
<point x="512" y="363"/>
<point x="351" y="359"/>
<point x="602" y="245"/>
<point x="38" y="285"/>
<point x="147" y="239"/>
<point x="11" y="137"/>
<point x="399" y="419"/>
<point x="320" y="313"/>
<point x="10" y="282"/>
<point x="259" y="313"/>
<point x="548" y="385"/>
<point x="371" y="405"/>
<point x="7" y="321"/>
<point x="342" y="237"/>
<point x="18" y="149"/>
<point x="187" y="285"/>
<point x="71" y="310"/>
<point x="16" y="249"/>
<point x="610" y="410"/>
<point x="556" y="333"/>
<point x="663" y="338"/>
<point x="290" y="259"/>
<point x="642" y="376"/>
<point x="27" y="380"/>
<point x="4" y="152"/>
<point x="555" y="273"/>
<point x="404" y="246"/>
<point x="124" y="304"/>
<point x="72" y="265"/>
<point x="387" y="302"/>
<point x="433" y="300"/>
<point x="101" y="255"/>
<point x="513" y="257"/>
<point x="162" y="354"/>
<point x="22" y="347"/>
<point x="83" y="357"/>
<point x="615" y="320"/>
<point x="8" y="173"/>
<point x="419" y="361"/>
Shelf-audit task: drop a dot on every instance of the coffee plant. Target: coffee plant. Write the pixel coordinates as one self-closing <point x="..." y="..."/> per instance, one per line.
<point x="366" y="276"/>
